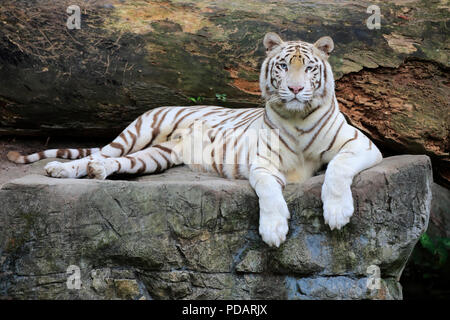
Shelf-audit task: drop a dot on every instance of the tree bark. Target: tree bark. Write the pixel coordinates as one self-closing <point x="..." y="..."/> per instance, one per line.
<point x="131" y="56"/>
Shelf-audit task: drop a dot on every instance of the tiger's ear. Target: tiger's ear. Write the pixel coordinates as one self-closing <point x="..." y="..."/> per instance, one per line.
<point x="325" y="44"/>
<point x="272" y="40"/>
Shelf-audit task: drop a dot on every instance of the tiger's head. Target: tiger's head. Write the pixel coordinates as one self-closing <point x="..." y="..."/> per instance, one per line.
<point x="296" y="73"/>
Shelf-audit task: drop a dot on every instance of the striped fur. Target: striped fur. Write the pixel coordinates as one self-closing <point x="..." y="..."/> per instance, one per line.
<point x="302" y="125"/>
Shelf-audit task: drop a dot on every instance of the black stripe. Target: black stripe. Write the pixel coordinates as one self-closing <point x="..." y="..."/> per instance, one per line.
<point x="332" y="141"/>
<point x="321" y="127"/>
<point x="349" y="140"/>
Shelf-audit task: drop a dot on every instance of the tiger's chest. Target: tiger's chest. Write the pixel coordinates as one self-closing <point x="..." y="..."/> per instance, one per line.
<point x="300" y="172"/>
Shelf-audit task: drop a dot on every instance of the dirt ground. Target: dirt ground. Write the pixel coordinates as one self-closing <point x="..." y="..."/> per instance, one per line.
<point x="10" y="170"/>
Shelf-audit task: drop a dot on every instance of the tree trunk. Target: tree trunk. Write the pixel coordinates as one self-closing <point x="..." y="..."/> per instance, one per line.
<point x="131" y="56"/>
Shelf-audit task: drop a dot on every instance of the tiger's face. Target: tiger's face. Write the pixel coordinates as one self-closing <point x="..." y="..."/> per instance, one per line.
<point x="296" y="72"/>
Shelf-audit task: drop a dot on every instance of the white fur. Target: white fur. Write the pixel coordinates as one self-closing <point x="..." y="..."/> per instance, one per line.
<point x="274" y="213"/>
<point x="58" y="169"/>
<point x="97" y="170"/>
<point x="344" y="162"/>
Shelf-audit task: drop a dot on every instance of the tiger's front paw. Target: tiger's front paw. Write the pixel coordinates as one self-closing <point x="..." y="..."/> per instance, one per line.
<point x="58" y="169"/>
<point x="337" y="207"/>
<point x="273" y="222"/>
<point x="273" y="229"/>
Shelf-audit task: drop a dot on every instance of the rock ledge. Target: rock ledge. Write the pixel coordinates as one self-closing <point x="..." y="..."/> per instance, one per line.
<point x="184" y="235"/>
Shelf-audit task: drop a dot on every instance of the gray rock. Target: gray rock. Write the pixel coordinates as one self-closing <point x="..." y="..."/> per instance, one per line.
<point x="440" y="212"/>
<point x="185" y="235"/>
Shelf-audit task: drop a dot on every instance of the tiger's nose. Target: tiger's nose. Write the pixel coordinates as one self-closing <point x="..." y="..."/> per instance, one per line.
<point x="295" y="90"/>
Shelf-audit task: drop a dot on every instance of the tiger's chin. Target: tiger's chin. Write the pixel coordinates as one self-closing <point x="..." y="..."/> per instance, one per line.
<point x="297" y="105"/>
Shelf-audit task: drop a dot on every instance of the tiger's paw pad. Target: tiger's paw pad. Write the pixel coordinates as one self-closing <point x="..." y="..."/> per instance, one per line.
<point x="96" y="170"/>
<point x="57" y="169"/>
<point x="273" y="229"/>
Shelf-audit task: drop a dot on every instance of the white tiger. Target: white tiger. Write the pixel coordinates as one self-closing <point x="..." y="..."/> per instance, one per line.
<point x="297" y="83"/>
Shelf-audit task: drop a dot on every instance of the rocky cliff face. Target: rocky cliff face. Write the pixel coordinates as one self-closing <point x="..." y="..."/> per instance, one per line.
<point x="182" y="235"/>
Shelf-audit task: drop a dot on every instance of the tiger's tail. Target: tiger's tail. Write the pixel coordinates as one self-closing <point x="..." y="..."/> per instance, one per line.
<point x="16" y="157"/>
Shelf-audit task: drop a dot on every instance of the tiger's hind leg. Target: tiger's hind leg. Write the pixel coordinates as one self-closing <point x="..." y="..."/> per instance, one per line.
<point x="76" y="168"/>
<point x="154" y="159"/>
<point x="130" y="140"/>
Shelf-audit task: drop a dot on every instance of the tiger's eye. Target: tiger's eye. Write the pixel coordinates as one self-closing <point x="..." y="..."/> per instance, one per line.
<point x="283" y="66"/>
<point x="308" y="69"/>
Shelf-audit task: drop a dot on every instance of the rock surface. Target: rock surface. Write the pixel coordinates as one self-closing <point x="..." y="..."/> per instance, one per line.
<point x="440" y="212"/>
<point x="183" y="235"/>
